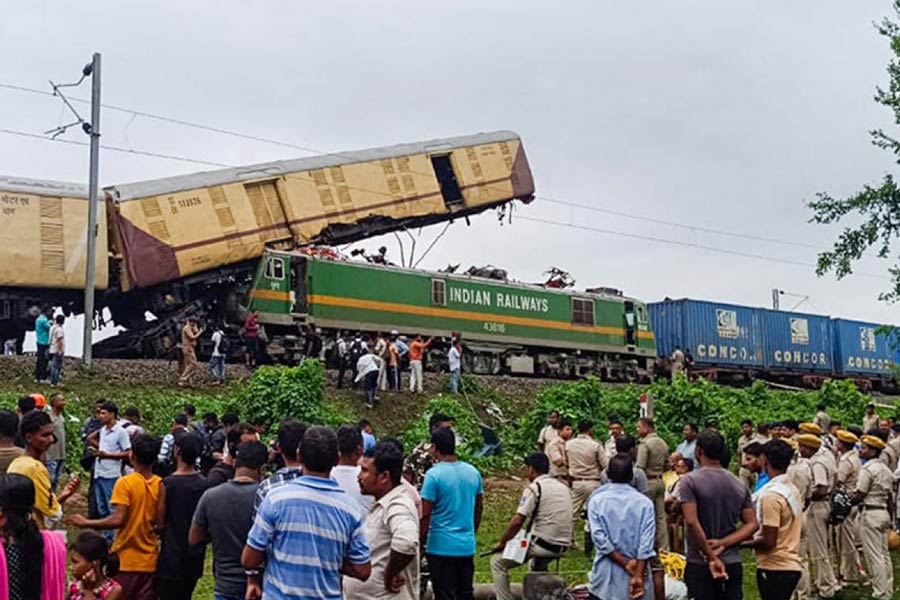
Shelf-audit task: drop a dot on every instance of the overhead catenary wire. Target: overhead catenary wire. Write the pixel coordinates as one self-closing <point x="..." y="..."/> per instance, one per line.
<point x="660" y="240"/>
<point x="256" y="138"/>
<point x="57" y="140"/>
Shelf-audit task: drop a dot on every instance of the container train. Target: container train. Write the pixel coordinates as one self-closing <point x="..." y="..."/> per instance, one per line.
<point x="191" y="244"/>
<point x="740" y="343"/>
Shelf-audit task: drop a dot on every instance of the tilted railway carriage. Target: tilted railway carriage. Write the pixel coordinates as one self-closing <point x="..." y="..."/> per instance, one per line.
<point x="190" y="244"/>
<point x="506" y="327"/>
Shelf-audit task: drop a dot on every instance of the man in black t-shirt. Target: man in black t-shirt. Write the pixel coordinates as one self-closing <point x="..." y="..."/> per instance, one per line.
<point x="180" y="565"/>
<point x="225" y="515"/>
<point x="713" y="501"/>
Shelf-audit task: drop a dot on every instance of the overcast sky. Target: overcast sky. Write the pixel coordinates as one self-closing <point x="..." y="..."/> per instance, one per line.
<point x="718" y="115"/>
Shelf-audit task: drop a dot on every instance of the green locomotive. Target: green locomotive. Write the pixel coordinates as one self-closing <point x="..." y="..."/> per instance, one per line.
<point x="506" y="327"/>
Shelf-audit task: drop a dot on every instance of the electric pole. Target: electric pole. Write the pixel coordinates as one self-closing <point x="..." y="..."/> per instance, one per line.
<point x="92" y="129"/>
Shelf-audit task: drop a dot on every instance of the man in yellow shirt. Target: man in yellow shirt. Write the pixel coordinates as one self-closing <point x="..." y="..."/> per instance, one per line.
<point x="37" y="429"/>
<point x="134" y="499"/>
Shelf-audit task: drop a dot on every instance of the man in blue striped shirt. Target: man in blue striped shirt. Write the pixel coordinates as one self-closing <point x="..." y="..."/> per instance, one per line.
<point x="308" y="532"/>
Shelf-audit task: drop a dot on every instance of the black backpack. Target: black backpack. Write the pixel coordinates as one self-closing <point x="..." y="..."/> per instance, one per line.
<point x="224" y="344"/>
<point x="841" y="505"/>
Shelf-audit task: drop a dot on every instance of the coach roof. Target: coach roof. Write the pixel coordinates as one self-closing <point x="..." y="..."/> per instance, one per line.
<point x="131" y="191"/>
<point x="42" y="187"/>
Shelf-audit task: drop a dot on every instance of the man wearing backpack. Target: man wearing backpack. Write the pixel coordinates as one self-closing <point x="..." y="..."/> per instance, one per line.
<point x="221" y="347"/>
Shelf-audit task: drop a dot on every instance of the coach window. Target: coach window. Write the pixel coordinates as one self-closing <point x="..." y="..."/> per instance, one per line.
<point x="443" y="169"/>
<point x="582" y="312"/>
<point x="275" y="269"/>
<point x="438" y="292"/>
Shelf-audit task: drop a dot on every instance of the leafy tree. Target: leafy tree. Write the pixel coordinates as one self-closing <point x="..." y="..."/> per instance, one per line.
<point x="878" y="207"/>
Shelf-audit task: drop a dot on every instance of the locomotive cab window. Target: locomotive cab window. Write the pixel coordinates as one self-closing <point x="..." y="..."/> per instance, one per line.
<point x="275" y="268"/>
<point x="443" y="169"/>
<point x="582" y="311"/>
<point x="438" y="292"/>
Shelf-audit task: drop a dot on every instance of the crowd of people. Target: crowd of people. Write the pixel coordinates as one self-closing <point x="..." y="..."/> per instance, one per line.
<point x="374" y="361"/>
<point x="335" y="513"/>
<point x="815" y="501"/>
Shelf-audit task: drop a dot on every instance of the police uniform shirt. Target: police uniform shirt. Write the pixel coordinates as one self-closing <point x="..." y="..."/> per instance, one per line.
<point x="556" y="451"/>
<point x="800" y="475"/>
<point x="889" y="457"/>
<point x="553" y="522"/>
<point x="586" y="457"/>
<point x="870" y="422"/>
<point x="848" y="470"/>
<point x="548" y="434"/>
<point x="876" y="482"/>
<point x="824" y="469"/>
<point x="652" y="455"/>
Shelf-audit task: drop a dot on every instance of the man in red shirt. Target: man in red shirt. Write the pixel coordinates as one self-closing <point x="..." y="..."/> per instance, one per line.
<point x="251" y="339"/>
<point x="416" y="350"/>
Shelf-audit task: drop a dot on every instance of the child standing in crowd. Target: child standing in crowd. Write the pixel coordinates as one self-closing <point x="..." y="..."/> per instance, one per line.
<point x="92" y="567"/>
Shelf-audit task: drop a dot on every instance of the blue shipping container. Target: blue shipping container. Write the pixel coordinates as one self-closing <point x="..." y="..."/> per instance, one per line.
<point x="718" y="335"/>
<point x="796" y="342"/>
<point x="859" y="350"/>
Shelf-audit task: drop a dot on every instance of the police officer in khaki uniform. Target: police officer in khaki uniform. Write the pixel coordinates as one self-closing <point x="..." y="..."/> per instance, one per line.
<point x="550" y="431"/>
<point x="545" y="511"/>
<point x="873" y="495"/>
<point x="586" y="460"/>
<point x="847" y="473"/>
<point x="556" y="453"/>
<point x="824" y="471"/>
<point x="652" y="456"/>
<point x="801" y="476"/>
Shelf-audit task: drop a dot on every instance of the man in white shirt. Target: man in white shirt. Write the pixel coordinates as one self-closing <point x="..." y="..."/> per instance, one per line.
<point x="346" y="472"/>
<point x="368" y="368"/>
<point x="57" y="349"/>
<point x="454" y="360"/>
<point x="217" y="362"/>
<point x="391" y="528"/>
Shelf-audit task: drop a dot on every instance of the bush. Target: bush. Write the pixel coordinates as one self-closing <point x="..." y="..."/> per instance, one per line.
<point x="275" y="393"/>
<point x="465" y="425"/>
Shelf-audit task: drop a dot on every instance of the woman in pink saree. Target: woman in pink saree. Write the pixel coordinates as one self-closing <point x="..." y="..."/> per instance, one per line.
<point x="33" y="562"/>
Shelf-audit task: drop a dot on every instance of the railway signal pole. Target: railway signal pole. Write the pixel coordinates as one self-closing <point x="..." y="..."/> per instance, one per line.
<point x="93" y="130"/>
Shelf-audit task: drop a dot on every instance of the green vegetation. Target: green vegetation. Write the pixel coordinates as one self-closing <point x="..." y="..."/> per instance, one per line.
<point x="515" y="409"/>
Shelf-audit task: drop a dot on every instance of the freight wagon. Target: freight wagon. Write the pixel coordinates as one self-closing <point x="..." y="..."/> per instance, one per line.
<point x="862" y="350"/>
<point x="741" y="343"/>
<point x="506" y="327"/>
<point x="721" y="337"/>
<point x="192" y="243"/>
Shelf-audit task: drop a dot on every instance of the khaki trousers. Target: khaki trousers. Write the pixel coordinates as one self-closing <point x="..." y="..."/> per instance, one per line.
<point x="581" y="491"/>
<point x="500" y="569"/>
<point x="819" y="555"/>
<point x="656" y="491"/>
<point x="189" y="366"/>
<point x="848" y="555"/>
<point x="874" y="530"/>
